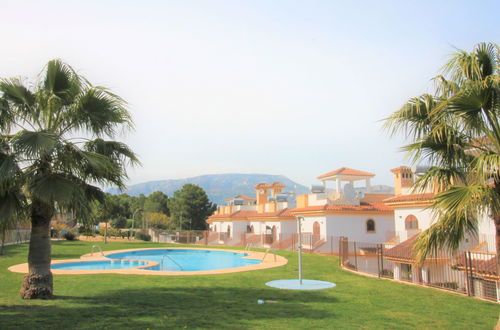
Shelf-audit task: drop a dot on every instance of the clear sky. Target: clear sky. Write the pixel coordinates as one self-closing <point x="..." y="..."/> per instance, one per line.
<point x="278" y="87"/>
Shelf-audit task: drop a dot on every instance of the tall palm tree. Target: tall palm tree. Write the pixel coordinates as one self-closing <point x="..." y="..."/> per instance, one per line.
<point x="53" y="153"/>
<point x="457" y="131"/>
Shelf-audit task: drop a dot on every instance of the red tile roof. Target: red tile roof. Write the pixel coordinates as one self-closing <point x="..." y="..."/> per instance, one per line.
<point x="487" y="265"/>
<point x="246" y="198"/>
<point x="410" y="198"/>
<point x="374" y="206"/>
<point x="345" y="171"/>
<point x="242" y="214"/>
<point x="404" y="250"/>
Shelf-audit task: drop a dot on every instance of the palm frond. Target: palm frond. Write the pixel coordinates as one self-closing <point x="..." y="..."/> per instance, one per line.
<point x="12" y="206"/>
<point x="54" y="188"/>
<point x="34" y="144"/>
<point x="10" y="172"/>
<point x="62" y="81"/>
<point x="114" y="150"/>
<point x="100" y="112"/>
<point x="414" y="118"/>
<point x="7" y="116"/>
<point x="487" y="166"/>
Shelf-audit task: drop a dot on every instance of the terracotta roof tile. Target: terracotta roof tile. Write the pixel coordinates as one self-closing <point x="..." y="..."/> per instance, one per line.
<point x="252" y="214"/>
<point x="485" y="266"/>
<point x="409" y="198"/>
<point x="345" y="171"/>
<point x="403" y="250"/>
<point x="246" y="198"/>
<point x="373" y="206"/>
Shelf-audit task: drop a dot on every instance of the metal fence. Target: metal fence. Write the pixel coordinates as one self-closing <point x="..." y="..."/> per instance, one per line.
<point x="311" y="243"/>
<point x="471" y="273"/>
<point x="465" y="272"/>
<point x="15" y="236"/>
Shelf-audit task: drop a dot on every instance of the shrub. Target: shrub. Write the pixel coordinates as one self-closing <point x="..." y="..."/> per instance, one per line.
<point x="69" y="235"/>
<point x="142" y="236"/>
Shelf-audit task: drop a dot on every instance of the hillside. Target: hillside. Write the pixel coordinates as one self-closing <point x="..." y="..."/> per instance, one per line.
<point x="218" y="186"/>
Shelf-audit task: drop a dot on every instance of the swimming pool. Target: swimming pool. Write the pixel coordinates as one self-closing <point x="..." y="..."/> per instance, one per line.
<point x="187" y="259"/>
<point x="171" y="261"/>
<point x="179" y="260"/>
<point x="99" y="265"/>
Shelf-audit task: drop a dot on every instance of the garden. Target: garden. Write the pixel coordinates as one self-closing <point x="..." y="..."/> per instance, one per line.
<point x="114" y="301"/>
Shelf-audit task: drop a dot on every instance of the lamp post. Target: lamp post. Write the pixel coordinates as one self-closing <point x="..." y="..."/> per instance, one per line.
<point x="299" y="230"/>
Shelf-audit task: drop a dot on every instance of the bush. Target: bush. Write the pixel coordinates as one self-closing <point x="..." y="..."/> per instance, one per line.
<point x="142" y="236"/>
<point x="69" y="235"/>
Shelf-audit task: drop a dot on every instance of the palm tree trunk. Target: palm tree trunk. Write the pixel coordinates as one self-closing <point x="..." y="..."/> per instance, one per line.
<point x="3" y="240"/>
<point x="497" y="241"/>
<point x="38" y="283"/>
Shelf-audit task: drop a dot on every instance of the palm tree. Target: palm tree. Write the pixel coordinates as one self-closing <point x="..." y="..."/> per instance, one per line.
<point x="457" y="131"/>
<point x="44" y="163"/>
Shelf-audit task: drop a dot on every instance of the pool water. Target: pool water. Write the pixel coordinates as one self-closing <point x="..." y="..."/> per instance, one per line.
<point x="167" y="259"/>
<point x="98" y="265"/>
<point x="187" y="260"/>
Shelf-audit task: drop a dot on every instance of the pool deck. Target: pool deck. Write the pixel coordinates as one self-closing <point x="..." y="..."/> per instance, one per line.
<point x="268" y="261"/>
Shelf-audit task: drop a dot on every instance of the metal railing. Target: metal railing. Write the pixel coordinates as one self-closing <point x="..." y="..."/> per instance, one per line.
<point x="470" y="273"/>
<point x="171" y="259"/>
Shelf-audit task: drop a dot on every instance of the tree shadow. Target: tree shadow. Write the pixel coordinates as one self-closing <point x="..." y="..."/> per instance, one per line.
<point x="208" y="307"/>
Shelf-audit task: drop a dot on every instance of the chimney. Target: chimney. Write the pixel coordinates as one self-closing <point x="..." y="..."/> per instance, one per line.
<point x="403" y="179"/>
<point x="276" y="188"/>
<point x="261" y="193"/>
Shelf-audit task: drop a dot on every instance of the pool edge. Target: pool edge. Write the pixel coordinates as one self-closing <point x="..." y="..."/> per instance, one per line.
<point x="269" y="261"/>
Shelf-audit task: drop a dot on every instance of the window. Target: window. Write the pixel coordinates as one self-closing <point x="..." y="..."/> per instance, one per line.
<point x="228" y="231"/>
<point x="249" y="229"/>
<point x="411" y="222"/>
<point x="370" y="226"/>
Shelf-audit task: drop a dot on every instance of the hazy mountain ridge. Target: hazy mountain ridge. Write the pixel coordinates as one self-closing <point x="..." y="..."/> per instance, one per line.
<point x="218" y="186"/>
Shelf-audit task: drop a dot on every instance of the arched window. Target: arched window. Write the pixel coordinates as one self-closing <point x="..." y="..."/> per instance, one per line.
<point x="252" y="230"/>
<point x="370" y="226"/>
<point x="215" y="228"/>
<point x="411" y="222"/>
<point x="228" y="231"/>
<point x="249" y="229"/>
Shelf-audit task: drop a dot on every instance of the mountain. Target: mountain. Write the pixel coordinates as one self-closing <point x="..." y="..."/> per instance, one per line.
<point x="218" y="186"/>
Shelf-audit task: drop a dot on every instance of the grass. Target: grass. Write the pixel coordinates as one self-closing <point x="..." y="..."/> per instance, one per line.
<point x="115" y="301"/>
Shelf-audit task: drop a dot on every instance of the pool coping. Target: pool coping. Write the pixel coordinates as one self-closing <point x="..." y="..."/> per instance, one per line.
<point x="269" y="260"/>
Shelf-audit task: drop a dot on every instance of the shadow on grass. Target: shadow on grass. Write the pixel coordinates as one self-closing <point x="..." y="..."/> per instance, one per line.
<point x="168" y="307"/>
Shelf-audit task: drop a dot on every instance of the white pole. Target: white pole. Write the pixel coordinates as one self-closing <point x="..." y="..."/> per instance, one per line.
<point x="299" y="229"/>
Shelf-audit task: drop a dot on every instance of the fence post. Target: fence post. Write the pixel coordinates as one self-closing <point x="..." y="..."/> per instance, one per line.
<point x="340" y="252"/>
<point x="355" y="257"/>
<point x="471" y="275"/>
<point x="467" y="281"/>
<point x="379" y="258"/>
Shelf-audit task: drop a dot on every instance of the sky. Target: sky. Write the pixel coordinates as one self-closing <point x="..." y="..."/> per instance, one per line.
<point x="297" y="88"/>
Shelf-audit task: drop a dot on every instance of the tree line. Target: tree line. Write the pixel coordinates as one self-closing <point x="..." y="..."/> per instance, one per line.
<point x="187" y="209"/>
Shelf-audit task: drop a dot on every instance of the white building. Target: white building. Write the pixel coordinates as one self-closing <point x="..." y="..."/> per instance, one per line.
<point x="412" y="215"/>
<point x="327" y="213"/>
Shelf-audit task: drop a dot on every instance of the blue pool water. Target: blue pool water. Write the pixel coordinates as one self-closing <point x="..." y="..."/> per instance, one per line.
<point x="98" y="265"/>
<point x="168" y="260"/>
<point x="187" y="260"/>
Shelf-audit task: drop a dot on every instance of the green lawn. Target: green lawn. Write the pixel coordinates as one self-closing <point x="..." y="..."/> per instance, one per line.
<point x="230" y="301"/>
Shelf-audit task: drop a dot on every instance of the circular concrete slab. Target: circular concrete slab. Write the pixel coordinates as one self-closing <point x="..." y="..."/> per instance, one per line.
<point x="306" y="284"/>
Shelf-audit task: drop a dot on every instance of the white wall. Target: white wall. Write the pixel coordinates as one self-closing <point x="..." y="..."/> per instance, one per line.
<point x="354" y="227"/>
<point x="423" y="215"/>
<point x="288" y="227"/>
<point x="307" y="225"/>
<point x="486" y="231"/>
